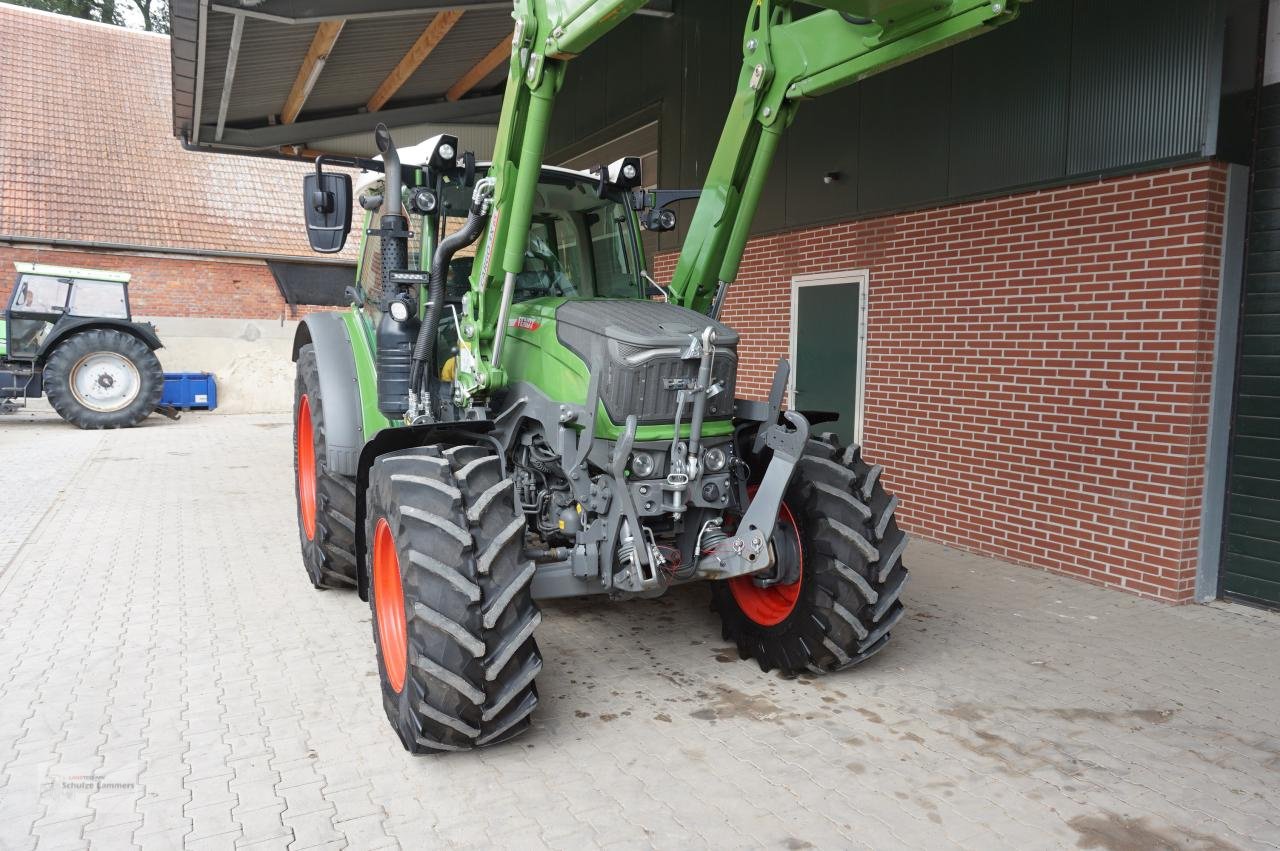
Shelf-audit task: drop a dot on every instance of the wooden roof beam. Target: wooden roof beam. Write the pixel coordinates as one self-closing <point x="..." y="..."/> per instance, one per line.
<point x="482" y="69"/>
<point x="434" y="33"/>
<point x="309" y="71"/>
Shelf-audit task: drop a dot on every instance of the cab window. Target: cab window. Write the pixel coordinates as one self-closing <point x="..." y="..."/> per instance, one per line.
<point x="41" y="294"/>
<point x="98" y="298"/>
<point x="611" y="252"/>
<point x="552" y="259"/>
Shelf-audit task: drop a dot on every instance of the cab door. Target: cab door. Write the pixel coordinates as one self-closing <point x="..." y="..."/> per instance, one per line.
<point x="37" y="303"/>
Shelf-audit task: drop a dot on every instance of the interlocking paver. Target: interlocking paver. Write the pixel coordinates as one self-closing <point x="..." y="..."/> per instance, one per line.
<point x="168" y="678"/>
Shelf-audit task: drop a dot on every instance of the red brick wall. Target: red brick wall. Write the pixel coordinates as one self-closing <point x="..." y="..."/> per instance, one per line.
<point x="1038" y="366"/>
<point x="173" y="285"/>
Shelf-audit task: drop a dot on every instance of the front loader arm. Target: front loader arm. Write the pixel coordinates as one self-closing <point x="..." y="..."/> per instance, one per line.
<point x="547" y="34"/>
<point x="785" y="60"/>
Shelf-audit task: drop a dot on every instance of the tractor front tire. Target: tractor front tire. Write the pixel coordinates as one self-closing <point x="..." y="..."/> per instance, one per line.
<point x="453" y="616"/>
<point x="326" y="500"/>
<point x="103" y="378"/>
<point x="837" y="522"/>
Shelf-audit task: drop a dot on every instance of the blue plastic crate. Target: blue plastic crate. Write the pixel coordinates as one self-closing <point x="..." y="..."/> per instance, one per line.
<point x="189" y="390"/>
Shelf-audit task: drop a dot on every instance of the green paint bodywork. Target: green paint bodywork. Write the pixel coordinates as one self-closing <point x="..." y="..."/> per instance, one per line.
<point x="360" y="330"/>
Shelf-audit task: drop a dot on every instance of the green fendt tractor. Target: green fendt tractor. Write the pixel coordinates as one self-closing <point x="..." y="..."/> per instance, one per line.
<point x="543" y="420"/>
<point x="69" y="334"/>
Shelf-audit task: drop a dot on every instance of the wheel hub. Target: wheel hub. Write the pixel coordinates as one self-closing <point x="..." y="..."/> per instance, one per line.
<point x="105" y="381"/>
<point x="769" y="599"/>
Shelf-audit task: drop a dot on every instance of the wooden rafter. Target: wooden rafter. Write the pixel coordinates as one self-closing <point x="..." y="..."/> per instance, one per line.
<point x="309" y="71"/>
<point x="482" y="69"/>
<point x="431" y="36"/>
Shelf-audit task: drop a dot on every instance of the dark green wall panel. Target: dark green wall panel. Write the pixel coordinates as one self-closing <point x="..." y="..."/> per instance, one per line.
<point x="1251" y="564"/>
<point x="1134" y="95"/>
<point x="903" y="135"/>
<point x="1027" y="64"/>
<point x="1074" y="87"/>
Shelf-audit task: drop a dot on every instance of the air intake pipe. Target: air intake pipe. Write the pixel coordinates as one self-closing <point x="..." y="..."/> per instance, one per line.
<point x="450" y="245"/>
<point x="395" y="338"/>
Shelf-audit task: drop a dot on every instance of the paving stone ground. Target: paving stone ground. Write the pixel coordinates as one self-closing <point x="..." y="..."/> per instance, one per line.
<point x="168" y="678"/>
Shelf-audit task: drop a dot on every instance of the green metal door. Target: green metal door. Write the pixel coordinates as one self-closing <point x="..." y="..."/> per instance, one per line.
<point x="826" y="330"/>
<point x="1251" y="567"/>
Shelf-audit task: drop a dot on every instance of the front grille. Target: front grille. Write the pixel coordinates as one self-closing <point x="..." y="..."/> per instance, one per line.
<point x="643" y="388"/>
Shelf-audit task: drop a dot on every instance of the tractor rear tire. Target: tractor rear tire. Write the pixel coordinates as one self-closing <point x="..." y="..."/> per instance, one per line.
<point x="839" y="519"/>
<point x="103" y="378"/>
<point x="326" y="500"/>
<point x="453" y="616"/>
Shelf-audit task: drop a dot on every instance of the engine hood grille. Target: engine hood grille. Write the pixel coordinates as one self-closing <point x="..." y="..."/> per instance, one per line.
<point x="638" y="345"/>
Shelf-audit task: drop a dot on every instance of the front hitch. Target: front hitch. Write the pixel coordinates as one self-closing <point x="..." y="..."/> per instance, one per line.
<point x="747" y="549"/>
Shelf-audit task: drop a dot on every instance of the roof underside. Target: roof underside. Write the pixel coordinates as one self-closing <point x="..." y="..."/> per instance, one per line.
<point x="296" y="77"/>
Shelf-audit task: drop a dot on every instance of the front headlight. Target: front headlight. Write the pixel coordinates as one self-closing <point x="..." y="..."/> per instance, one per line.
<point x="642" y="464"/>
<point x="714" y="459"/>
<point x="399" y="310"/>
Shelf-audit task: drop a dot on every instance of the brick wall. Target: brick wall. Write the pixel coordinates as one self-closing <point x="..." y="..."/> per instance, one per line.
<point x="173" y="285"/>
<point x="1038" y="366"/>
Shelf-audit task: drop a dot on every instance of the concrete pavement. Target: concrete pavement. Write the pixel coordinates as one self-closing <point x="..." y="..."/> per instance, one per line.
<point x="168" y="677"/>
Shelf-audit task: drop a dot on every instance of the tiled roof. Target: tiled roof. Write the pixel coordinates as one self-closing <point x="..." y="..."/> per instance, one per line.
<point x="87" y="151"/>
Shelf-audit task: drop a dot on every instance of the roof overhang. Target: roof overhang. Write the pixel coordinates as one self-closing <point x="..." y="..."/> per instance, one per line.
<point x="300" y="77"/>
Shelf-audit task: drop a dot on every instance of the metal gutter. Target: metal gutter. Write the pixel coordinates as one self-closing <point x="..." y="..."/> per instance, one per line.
<point x="15" y="239"/>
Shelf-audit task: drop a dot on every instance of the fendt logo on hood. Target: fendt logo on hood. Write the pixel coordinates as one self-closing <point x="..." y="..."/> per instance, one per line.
<point x="526" y="323"/>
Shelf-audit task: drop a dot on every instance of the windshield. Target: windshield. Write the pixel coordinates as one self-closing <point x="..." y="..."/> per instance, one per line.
<point x="579" y="254"/>
<point x="580" y="246"/>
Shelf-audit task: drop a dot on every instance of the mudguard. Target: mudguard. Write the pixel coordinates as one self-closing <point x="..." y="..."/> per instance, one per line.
<point x="407" y="437"/>
<point x="339" y="388"/>
<point x="67" y="326"/>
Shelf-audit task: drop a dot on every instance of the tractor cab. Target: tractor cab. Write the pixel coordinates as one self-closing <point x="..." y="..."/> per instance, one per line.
<point x="49" y="297"/>
<point x="583" y="242"/>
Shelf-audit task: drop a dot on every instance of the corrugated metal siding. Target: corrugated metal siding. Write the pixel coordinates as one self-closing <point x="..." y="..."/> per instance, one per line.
<point x="1027" y="64"/>
<point x="1251" y="567"/>
<point x="1138" y="81"/>
<point x="1075" y="87"/>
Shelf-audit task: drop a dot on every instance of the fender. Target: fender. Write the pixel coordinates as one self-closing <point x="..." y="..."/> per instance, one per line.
<point x="339" y="389"/>
<point x="144" y="331"/>
<point x="406" y="437"/>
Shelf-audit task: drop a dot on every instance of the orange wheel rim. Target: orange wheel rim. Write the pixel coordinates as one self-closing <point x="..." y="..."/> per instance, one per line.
<point x="306" y="469"/>
<point x="771" y="606"/>
<point x="388" y="605"/>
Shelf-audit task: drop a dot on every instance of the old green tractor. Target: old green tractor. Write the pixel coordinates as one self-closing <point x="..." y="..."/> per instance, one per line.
<point x="542" y="419"/>
<point x="69" y="334"/>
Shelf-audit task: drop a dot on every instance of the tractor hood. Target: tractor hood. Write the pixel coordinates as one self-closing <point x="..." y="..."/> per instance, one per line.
<point x="645" y="324"/>
<point x="639" y="347"/>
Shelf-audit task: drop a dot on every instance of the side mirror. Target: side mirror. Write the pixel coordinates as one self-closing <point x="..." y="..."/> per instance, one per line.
<point x="326" y="197"/>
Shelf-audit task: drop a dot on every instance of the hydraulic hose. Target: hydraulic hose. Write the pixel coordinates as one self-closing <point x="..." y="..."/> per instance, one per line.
<point x="450" y="245"/>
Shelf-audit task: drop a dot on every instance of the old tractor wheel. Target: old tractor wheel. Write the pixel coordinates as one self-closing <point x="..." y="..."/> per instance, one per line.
<point x="453" y="616"/>
<point x="326" y="500"/>
<point x="837" y="536"/>
<point x="103" y="378"/>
